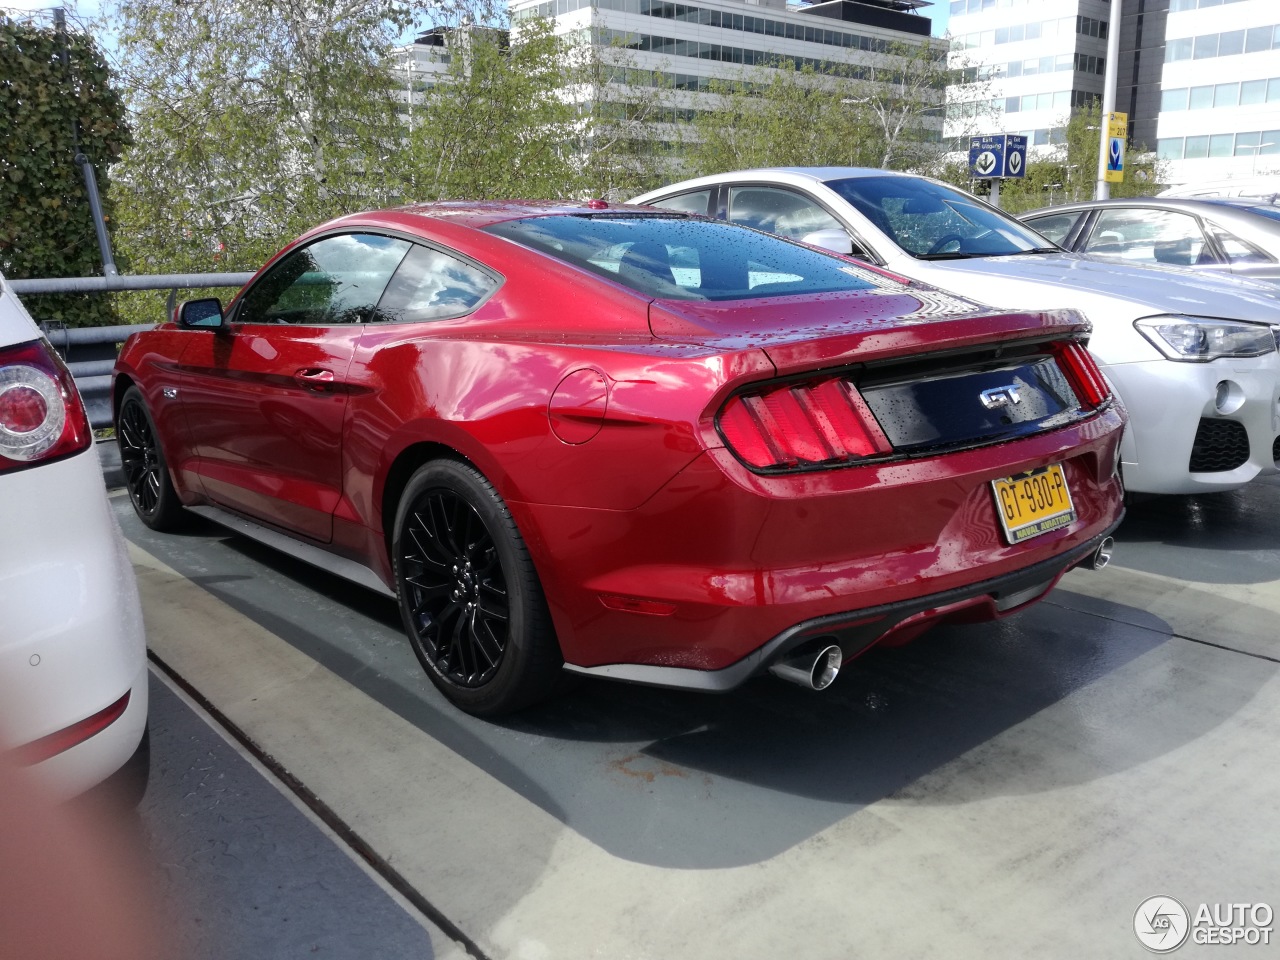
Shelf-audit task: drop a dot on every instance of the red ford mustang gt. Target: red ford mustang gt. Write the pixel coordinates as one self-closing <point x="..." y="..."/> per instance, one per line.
<point x="626" y="443"/>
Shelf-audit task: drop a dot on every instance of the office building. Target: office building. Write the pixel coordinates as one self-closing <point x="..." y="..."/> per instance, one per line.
<point x="1219" y="114"/>
<point x="684" y="47"/>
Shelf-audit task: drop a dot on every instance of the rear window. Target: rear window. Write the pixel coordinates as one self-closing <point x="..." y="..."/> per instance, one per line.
<point x="674" y="258"/>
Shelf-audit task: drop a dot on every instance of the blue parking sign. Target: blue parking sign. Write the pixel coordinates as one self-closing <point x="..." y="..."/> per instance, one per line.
<point x="998" y="156"/>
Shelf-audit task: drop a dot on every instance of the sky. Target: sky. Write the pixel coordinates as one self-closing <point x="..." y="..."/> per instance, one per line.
<point x="939" y="13"/>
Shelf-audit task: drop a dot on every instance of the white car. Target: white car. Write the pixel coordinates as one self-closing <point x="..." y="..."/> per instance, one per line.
<point x="73" y="670"/>
<point x="1193" y="357"/>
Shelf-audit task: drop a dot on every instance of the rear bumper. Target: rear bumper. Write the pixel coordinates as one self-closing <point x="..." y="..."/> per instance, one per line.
<point x="721" y="563"/>
<point x="858" y="630"/>
<point x="71" y="635"/>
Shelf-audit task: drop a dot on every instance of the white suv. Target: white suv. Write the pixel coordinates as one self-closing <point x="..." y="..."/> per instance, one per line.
<point x="73" y="671"/>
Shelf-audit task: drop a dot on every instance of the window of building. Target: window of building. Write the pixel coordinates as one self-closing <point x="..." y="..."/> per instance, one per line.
<point x="1197" y="148"/>
<point x="1222" y="144"/>
<point x="1201" y="98"/>
<point x="1205" y="47"/>
<point x="1253" y="91"/>
<point x="1176" y="99"/>
<point x="1169" y="148"/>
<point x="1226" y="94"/>
<point x="1230" y="43"/>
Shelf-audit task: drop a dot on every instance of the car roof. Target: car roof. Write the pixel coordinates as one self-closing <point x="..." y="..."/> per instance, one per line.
<point x="791" y="175"/>
<point x="482" y="213"/>
<point x="1190" y="204"/>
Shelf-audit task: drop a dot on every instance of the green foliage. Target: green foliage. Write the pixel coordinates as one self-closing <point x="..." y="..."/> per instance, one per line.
<point x="886" y="112"/>
<point x="253" y="122"/>
<point x="46" y="228"/>
<point x="496" y="125"/>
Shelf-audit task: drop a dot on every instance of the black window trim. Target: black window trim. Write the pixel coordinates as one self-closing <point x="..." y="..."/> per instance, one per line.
<point x="499" y="279"/>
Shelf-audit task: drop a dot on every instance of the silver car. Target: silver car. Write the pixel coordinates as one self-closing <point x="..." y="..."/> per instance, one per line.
<point x="1232" y="236"/>
<point x="1193" y="357"/>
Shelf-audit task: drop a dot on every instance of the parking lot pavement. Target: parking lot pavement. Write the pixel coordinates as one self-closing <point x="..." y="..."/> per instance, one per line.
<point x="240" y="871"/>
<point x="995" y="790"/>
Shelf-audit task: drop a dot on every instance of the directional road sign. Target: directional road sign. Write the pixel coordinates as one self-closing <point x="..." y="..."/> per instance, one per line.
<point x="1117" y="131"/>
<point x="998" y="156"/>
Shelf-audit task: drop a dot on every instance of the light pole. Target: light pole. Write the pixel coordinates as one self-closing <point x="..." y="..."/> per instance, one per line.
<point x="1103" y="189"/>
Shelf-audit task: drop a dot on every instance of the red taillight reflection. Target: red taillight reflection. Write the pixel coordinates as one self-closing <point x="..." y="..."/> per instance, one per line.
<point x="41" y="416"/>
<point x="59" y="742"/>
<point x="822" y="422"/>
<point x="22" y="409"/>
<point x="1082" y="370"/>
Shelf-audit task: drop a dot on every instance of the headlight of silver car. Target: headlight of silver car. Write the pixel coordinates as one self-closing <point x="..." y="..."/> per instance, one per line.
<point x="1201" y="339"/>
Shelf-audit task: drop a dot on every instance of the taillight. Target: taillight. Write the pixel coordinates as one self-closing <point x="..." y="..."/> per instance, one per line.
<point x="41" y="416"/>
<point x="1082" y="370"/>
<point x="816" y="423"/>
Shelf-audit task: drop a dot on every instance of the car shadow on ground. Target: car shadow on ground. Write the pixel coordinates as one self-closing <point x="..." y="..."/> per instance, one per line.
<point x="1231" y="537"/>
<point x="701" y="781"/>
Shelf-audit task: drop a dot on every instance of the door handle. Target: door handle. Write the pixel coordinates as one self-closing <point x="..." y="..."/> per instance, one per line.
<point x="316" y="378"/>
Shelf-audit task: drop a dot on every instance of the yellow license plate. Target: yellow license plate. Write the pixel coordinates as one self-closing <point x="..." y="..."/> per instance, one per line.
<point x="1031" y="504"/>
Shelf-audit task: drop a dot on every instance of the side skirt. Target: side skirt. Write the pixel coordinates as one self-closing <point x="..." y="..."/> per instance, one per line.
<point x="331" y="563"/>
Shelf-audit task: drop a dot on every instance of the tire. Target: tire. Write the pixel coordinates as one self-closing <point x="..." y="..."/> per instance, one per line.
<point x="146" y="472"/>
<point x="469" y="596"/>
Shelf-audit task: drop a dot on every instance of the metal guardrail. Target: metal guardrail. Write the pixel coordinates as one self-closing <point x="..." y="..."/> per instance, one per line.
<point x="154" y="281"/>
<point x="91" y="352"/>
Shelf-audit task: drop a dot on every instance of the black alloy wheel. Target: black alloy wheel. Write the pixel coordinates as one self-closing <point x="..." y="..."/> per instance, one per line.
<point x="146" y="474"/>
<point x="469" y="595"/>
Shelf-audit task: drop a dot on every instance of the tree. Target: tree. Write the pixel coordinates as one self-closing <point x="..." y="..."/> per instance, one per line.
<point x="46" y="229"/>
<point x="497" y="125"/>
<point x="885" y="111"/>
<point x="254" y="119"/>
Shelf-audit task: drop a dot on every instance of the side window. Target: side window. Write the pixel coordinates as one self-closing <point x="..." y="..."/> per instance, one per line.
<point x="336" y="280"/>
<point x="695" y="202"/>
<point x="431" y="285"/>
<point x="779" y="211"/>
<point x="1148" y="236"/>
<point x="1237" y="250"/>
<point x="1054" y="227"/>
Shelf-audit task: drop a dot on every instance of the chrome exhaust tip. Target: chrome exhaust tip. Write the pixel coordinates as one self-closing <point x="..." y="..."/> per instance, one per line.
<point x="1102" y="556"/>
<point x="815" y="671"/>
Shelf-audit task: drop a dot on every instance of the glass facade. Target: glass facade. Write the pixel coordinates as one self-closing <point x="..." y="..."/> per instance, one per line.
<point x="819" y="32"/>
<point x="1263" y="143"/>
<point x="1229" y="44"/>
<point x="1234" y="94"/>
<point x="1035" y="30"/>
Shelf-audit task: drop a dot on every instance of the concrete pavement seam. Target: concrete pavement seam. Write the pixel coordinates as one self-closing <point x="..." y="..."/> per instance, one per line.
<point x="1172" y="636"/>
<point x="343" y="833"/>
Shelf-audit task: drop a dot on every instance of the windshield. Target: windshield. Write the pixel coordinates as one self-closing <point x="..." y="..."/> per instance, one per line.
<point x="676" y="258"/>
<point x="932" y="221"/>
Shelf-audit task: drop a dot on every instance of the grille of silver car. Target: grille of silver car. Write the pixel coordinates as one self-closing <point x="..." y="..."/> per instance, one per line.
<point x="1220" y="445"/>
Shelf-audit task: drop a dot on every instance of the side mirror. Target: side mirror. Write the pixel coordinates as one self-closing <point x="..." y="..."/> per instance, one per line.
<point x="201" y="314"/>
<point x="837" y="241"/>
